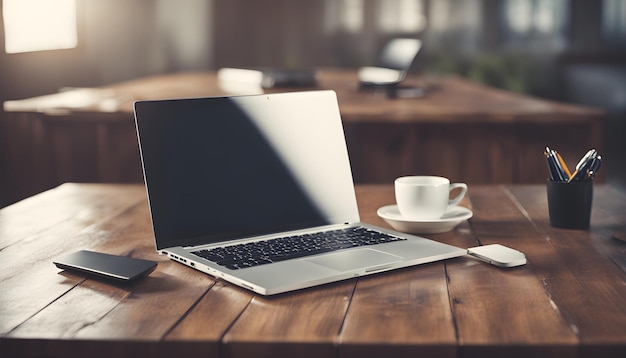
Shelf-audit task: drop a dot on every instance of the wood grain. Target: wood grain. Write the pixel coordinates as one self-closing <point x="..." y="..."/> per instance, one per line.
<point x="400" y="314"/>
<point x="495" y="307"/>
<point x="64" y="218"/>
<point x="302" y="324"/>
<point x="208" y="321"/>
<point x="584" y="268"/>
<point x="567" y="301"/>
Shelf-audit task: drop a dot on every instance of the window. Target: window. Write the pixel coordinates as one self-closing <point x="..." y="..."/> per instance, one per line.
<point x="535" y="17"/>
<point x="614" y="19"/>
<point x="404" y="16"/>
<point x="536" y="22"/>
<point x="344" y="15"/>
<point x="38" y="25"/>
<point x="386" y="16"/>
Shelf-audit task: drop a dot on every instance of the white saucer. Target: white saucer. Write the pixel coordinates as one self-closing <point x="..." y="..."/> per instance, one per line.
<point x="447" y="222"/>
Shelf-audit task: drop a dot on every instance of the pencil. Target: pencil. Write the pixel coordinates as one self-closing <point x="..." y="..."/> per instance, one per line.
<point x="563" y="165"/>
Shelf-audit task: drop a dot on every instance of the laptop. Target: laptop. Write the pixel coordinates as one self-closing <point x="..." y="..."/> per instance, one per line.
<point x="393" y="63"/>
<point x="230" y="177"/>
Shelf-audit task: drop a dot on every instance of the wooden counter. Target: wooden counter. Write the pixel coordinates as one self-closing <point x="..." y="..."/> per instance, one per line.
<point x="458" y="129"/>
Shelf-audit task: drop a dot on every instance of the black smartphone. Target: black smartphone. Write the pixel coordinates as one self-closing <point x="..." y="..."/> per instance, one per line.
<point x="97" y="264"/>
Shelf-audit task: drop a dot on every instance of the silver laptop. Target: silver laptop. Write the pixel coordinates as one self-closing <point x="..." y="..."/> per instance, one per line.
<point x="258" y="191"/>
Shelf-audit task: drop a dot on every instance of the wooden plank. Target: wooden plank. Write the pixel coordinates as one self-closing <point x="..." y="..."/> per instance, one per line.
<point x="36" y="348"/>
<point x="83" y="305"/>
<point x="73" y="228"/>
<point x="507" y="223"/>
<point x="143" y="314"/>
<point x="119" y="311"/>
<point x="209" y="320"/>
<point x="498" y="311"/>
<point x="608" y="217"/>
<point x="409" y="308"/>
<point x="298" y="324"/>
<point x="109" y="320"/>
<point x="581" y="276"/>
<point x="33" y="215"/>
<point x="400" y="314"/>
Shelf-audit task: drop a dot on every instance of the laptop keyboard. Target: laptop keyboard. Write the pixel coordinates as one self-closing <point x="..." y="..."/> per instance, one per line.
<point x="264" y="252"/>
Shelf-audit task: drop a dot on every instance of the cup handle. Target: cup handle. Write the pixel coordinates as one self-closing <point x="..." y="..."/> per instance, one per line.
<point x="461" y="195"/>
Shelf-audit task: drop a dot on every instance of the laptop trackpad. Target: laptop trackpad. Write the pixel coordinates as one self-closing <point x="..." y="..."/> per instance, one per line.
<point x="354" y="259"/>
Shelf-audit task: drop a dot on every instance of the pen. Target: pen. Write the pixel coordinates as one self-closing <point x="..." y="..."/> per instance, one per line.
<point x="590" y="152"/>
<point x="595" y="167"/>
<point x="584" y="166"/>
<point x="562" y="175"/>
<point x="556" y="171"/>
<point x="551" y="168"/>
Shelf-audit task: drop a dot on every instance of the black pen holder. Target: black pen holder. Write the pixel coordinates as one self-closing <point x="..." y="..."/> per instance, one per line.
<point x="569" y="204"/>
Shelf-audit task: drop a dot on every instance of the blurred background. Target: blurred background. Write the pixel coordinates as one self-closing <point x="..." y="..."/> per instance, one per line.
<point x="567" y="50"/>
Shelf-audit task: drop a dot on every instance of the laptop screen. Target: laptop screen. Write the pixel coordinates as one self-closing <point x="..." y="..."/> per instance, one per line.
<point x="232" y="167"/>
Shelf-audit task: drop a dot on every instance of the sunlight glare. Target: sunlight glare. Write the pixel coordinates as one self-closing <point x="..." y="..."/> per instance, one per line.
<point x="37" y="25"/>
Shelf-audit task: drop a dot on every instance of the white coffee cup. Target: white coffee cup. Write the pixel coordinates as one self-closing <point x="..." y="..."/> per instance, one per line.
<point x="426" y="197"/>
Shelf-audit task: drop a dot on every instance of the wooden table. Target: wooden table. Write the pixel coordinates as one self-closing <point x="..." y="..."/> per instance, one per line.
<point x="459" y="129"/>
<point x="569" y="300"/>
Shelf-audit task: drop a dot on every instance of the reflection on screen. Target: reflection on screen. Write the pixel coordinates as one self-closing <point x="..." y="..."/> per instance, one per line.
<point x="229" y="168"/>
